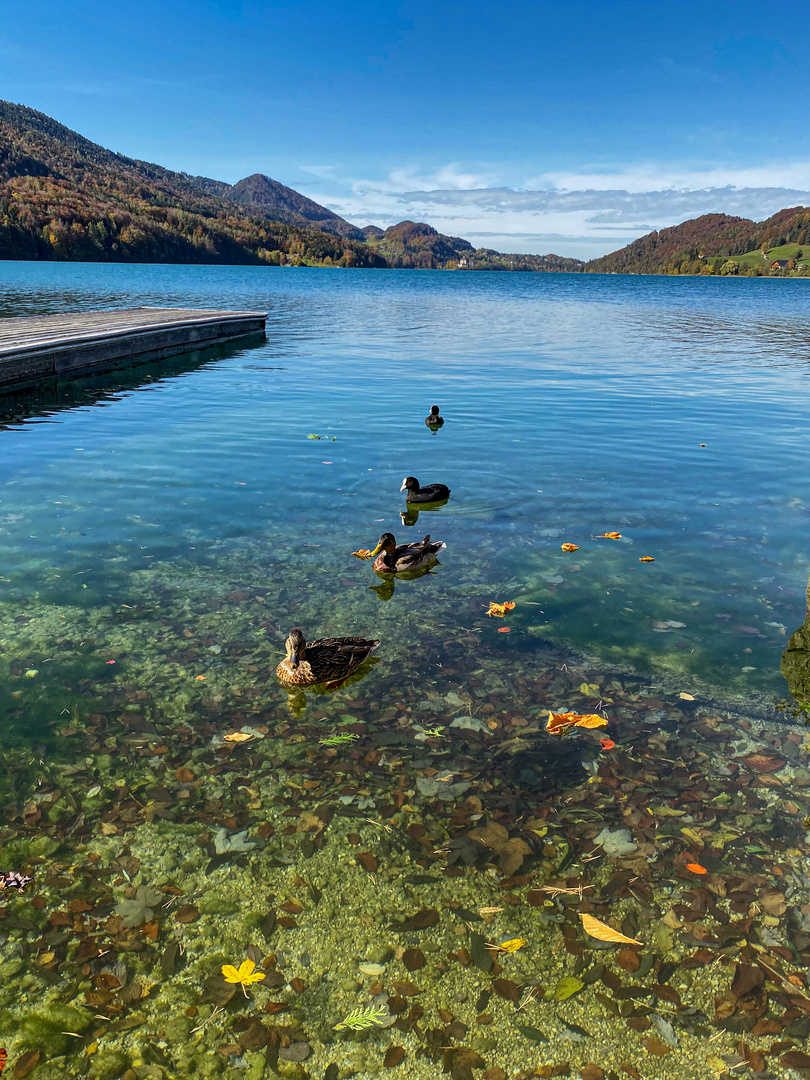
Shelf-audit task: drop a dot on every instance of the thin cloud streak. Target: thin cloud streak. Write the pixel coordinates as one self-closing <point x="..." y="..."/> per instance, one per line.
<point x="571" y="214"/>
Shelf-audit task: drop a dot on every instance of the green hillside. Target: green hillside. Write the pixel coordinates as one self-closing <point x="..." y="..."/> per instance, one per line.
<point x="717" y="244"/>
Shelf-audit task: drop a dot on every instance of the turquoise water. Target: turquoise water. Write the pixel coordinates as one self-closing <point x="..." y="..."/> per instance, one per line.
<point x="161" y="529"/>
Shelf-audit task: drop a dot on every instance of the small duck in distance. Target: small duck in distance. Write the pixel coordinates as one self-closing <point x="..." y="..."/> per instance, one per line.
<point x="397" y="559"/>
<point x="428" y="493"/>
<point x="328" y="660"/>
<point x="434" y="421"/>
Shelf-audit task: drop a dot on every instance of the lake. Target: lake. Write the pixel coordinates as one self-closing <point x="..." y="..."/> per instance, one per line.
<point x="373" y="846"/>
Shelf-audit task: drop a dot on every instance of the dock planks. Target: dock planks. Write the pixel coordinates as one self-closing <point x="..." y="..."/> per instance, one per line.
<point x="35" y="348"/>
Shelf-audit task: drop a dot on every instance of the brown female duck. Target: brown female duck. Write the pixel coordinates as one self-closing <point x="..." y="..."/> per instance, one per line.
<point x="327" y="660"/>
<point x="397" y="559"/>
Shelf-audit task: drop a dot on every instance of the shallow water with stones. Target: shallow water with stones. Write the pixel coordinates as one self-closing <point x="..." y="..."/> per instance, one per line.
<point x="161" y="529"/>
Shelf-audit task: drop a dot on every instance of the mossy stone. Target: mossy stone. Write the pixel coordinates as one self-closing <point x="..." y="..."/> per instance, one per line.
<point x="45" y="1031"/>
<point x="42" y="846"/>
<point x="292" y="1070"/>
<point x="108" y="1064"/>
<point x="380" y="954"/>
<point x="216" y="903"/>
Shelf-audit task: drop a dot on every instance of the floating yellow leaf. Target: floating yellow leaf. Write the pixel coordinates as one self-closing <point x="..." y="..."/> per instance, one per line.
<point x="610" y="536"/>
<point x="570" y="547"/>
<point x="499" y="610"/>
<point x="562" y="723"/>
<point x="363" y="553"/>
<point x="244" y="975"/>
<point x="646" y="558"/>
<point x="602" y="932"/>
<point x="237" y="736"/>
<point x="513" y="944"/>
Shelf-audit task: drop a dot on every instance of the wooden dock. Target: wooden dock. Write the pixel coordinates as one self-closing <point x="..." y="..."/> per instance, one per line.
<point x="38" y="348"/>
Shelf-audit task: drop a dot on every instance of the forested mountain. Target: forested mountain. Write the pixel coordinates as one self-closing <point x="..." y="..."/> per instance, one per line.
<point x="63" y="197"/>
<point x="261" y="195"/>
<point x="415" y="244"/>
<point x="719" y="244"/>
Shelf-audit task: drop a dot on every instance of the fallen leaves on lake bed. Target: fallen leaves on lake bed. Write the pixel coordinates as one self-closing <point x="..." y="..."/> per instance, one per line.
<point x="602" y="932"/>
<point x="237" y="736"/>
<point x="504" y="629"/>
<point x="562" y="723"/>
<point x="696" y="868"/>
<point x="570" y="547"/>
<point x="499" y="610"/>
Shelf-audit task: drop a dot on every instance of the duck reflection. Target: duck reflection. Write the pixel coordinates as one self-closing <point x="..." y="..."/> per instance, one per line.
<point x="411" y="515"/>
<point x="796" y="661"/>
<point x="297" y="696"/>
<point x="385" y="590"/>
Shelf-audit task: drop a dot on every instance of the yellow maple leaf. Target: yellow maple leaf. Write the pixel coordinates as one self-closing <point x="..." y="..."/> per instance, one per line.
<point x="570" y="547"/>
<point x="363" y="553"/>
<point x="602" y="932"/>
<point x="513" y="944"/>
<point x="499" y="610"/>
<point x="244" y="975"/>
<point x="562" y="723"/>
<point x="610" y="536"/>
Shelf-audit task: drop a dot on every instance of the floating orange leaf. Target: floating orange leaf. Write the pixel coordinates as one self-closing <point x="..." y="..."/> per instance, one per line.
<point x="570" y="547"/>
<point x="562" y="723"/>
<point x="696" y="868"/>
<point x="200" y="678"/>
<point x="646" y="558"/>
<point x="610" y="536"/>
<point x="237" y="736"/>
<point x="499" y="610"/>
<point x="602" y="932"/>
<point x="363" y="553"/>
<point x="504" y="629"/>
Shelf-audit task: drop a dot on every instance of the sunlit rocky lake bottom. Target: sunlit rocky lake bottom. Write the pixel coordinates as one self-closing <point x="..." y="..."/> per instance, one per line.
<point x="411" y="861"/>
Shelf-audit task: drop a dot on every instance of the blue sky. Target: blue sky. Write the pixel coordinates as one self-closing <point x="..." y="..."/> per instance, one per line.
<point x="525" y="126"/>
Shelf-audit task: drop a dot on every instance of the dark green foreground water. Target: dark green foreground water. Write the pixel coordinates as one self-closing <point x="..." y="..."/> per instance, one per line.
<point x="162" y="529"/>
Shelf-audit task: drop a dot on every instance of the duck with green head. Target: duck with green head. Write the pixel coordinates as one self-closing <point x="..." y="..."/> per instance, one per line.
<point x="396" y="559"/>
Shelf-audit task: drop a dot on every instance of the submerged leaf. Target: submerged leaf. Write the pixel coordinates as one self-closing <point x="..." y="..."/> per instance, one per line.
<point x="602" y="932"/>
<point x="562" y="723"/>
<point x="566" y="988"/>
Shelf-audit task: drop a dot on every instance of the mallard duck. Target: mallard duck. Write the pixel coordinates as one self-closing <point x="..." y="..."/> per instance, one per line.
<point x="327" y="660"/>
<point x="434" y="420"/>
<point x="428" y="493"/>
<point x="396" y="560"/>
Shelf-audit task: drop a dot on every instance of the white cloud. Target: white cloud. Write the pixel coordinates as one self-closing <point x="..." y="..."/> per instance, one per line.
<point x="581" y="214"/>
